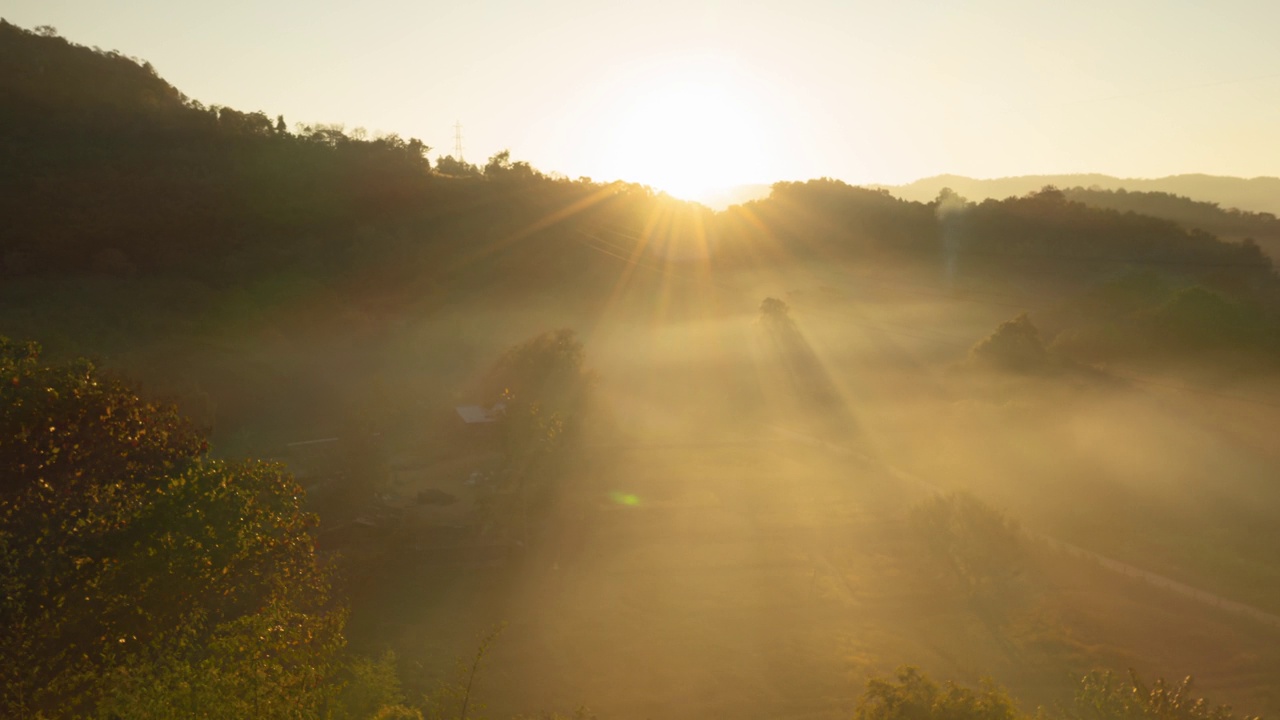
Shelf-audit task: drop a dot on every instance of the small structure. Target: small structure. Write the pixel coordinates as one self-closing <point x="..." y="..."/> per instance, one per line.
<point x="479" y="414"/>
<point x="475" y="427"/>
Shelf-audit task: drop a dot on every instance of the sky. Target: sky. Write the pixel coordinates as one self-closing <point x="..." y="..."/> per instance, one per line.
<point x="695" y="95"/>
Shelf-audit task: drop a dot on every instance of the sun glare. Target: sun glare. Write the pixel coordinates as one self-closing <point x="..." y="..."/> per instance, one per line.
<point x="688" y="130"/>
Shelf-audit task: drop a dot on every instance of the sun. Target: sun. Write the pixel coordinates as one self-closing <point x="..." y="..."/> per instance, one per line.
<point x="688" y="130"/>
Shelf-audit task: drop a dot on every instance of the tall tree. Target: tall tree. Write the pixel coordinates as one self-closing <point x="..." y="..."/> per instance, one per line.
<point x="126" y="554"/>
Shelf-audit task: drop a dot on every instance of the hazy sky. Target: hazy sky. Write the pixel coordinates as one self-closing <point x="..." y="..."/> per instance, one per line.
<point x="689" y="94"/>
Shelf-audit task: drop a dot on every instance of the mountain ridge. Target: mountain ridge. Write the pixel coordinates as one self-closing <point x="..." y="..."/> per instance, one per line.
<point x="1256" y="194"/>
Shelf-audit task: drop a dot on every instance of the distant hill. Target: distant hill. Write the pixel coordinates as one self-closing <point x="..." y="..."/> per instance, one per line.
<point x="1188" y="200"/>
<point x="1228" y="224"/>
<point x="106" y="169"/>
<point x="1260" y="194"/>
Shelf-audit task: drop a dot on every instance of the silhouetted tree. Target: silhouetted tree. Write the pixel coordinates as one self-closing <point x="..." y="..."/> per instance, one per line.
<point x="773" y="310"/>
<point x="1015" y="346"/>
<point x="449" y="165"/>
<point x="978" y="546"/>
<point x="501" y="167"/>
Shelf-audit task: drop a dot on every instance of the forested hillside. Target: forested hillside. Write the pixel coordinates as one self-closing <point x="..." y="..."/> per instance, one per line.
<point x="1257" y="195"/>
<point x="110" y="170"/>
<point x="137" y="214"/>
<point x="1228" y="223"/>
<point x="706" y="463"/>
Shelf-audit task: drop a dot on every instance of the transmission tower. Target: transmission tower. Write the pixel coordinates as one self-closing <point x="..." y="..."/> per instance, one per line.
<point x="457" y="140"/>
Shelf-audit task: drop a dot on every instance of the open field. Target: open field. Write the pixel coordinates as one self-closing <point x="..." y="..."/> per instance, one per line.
<point x="770" y="582"/>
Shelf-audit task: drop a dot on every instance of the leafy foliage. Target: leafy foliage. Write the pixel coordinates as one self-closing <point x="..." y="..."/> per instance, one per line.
<point x="1014" y="346"/>
<point x="981" y="549"/>
<point x="544" y="394"/>
<point x="546" y="369"/>
<point x="1108" y="696"/>
<point x="373" y="689"/>
<point x="64" y="422"/>
<point x="1143" y="316"/>
<point x="1101" y="695"/>
<point x="457" y="699"/>
<point x="456" y="167"/>
<point x="913" y="696"/>
<point x="129" y="562"/>
<point x="543" y="387"/>
<point x="501" y="167"/>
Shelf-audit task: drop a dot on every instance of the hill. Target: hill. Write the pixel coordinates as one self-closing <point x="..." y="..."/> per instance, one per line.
<point x="1225" y="220"/>
<point x="1258" y="195"/>
<point x="1226" y="223"/>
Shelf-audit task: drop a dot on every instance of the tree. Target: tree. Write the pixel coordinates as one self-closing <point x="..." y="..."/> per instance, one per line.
<point x="913" y="696"/>
<point x="130" y="562"/>
<point x="457" y="167"/>
<point x="1014" y="346"/>
<point x="544" y="391"/>
<point x="543" y="388"/>
<point x="773" y="310"/>
<point x="500" y="167"/>
<point x="546" y="371"/>
<point x="978" y="546"/>
<point x="1108" y="696"/>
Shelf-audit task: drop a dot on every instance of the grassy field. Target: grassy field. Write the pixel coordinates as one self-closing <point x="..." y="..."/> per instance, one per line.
<point x="770" y="580"/>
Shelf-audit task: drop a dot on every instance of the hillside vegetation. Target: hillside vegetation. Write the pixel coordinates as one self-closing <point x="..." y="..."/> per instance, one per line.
<point x="1251" y="195"/>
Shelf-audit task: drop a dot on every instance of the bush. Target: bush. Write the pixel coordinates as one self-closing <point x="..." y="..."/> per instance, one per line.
<point x="1015" y="346"/>
<point x="913" y="696"/>
<point x="976" y="545"/>
<point x="1108" y="696"/>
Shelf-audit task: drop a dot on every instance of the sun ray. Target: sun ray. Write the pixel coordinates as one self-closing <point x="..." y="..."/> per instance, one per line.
<point x="543" y="223"/>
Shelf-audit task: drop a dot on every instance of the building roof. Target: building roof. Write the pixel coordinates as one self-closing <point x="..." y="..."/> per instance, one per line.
<point x="479" y="414"/>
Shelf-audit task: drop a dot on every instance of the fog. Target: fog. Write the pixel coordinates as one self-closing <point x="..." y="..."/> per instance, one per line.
<point x="733" y="536"/>
<point x="781" y="485"/>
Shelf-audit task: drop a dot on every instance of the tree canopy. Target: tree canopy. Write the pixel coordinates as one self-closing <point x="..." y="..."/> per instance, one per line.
<point x="911" y="695"/>
<point x="125" y="553"/>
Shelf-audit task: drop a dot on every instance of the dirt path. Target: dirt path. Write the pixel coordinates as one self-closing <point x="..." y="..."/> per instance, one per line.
<point x="1194" y="593"/>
